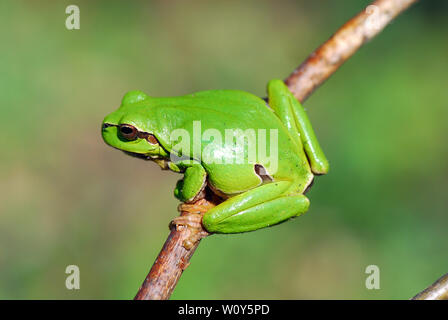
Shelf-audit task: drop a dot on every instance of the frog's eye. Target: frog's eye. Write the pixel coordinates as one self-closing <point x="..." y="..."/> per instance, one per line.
<point x="128" y="132"/>
<point x="152" y="139"/>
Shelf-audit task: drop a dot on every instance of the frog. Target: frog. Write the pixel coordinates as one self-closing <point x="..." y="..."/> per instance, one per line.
<point x="254" y="194"/>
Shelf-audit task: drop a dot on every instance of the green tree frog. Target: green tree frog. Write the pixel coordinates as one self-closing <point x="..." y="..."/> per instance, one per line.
<point x="257" y="191"/>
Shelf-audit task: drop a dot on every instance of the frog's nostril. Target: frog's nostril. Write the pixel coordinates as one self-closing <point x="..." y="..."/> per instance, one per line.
<point x="106" y="125"/>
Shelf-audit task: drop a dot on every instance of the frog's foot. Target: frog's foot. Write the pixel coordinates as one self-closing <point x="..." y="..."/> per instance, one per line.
<point x="192" y="221"/>
<point x="191" y="218"/>
<point x="198" y="207"/>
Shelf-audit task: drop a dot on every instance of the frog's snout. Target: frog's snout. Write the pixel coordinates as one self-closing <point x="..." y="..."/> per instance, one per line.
<point x="106" y="125"/>
<point x="106" y="132"/>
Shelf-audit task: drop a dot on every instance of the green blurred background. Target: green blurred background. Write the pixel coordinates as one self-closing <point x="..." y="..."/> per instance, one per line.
<point x="67" y="198"/>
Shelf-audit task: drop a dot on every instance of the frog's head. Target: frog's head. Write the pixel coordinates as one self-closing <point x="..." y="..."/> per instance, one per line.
<point x="127" y="129"/>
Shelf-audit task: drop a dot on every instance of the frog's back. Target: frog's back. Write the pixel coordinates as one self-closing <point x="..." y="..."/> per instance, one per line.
<point x="220" y="108"/>
<point x="231" y="109"/>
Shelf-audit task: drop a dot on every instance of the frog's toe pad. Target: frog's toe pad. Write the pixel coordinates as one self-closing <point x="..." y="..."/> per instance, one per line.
<point x="193" y="222"/>
<point x="193" y="239"/>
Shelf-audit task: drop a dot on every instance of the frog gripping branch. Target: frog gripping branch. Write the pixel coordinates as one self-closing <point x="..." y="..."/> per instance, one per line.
<point x="249" y="201"/>
<point x="234" y="196"/>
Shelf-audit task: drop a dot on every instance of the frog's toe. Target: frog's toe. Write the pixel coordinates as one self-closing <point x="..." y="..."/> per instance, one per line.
<point x="193" y="222"/>
<point x="193" y="239"/>
<point x="198" y="207"/>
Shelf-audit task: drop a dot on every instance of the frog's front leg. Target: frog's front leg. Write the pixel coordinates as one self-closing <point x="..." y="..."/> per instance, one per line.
<point x="260" y="207"/>
<point x="191" y="187"/>
<point x="191" y="191"/>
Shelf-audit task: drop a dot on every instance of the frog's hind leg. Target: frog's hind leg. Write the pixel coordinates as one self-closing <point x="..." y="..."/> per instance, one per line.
<point x="294" y="117"/>
<point x="260" y="207"/>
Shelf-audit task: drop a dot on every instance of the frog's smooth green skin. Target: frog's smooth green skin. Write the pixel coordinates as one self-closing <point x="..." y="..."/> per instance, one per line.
<point x="142" y="127"/>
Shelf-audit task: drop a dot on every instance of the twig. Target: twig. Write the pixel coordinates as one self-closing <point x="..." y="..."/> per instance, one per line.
<point x="319" y="66"/>
<point x="323" y="62"/>
<point x="172" y="260"/>
<point x="167" y="269"/>
<point x="437" y="291"/>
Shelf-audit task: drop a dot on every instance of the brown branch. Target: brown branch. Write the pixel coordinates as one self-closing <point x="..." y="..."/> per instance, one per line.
<point x="172" y="260"/>
<point x="437" y="291"/>
<point x="168" y="267"/>
<point x="319" y="66"/>
<point x="324" y="61"/>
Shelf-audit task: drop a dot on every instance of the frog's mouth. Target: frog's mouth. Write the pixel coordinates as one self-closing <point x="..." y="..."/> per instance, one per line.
<point x="140" y="155"/>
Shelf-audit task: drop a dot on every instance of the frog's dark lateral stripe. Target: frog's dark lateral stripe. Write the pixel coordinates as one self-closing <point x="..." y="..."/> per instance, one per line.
<point x="140" y="134"/>
<point x="107" y="125"/>
<point x="262" y="173"/>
